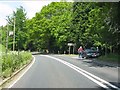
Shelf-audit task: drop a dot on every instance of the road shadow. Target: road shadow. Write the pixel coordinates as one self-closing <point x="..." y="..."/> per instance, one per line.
<point x="116" y="84"/>
<point x="93" y="62"/>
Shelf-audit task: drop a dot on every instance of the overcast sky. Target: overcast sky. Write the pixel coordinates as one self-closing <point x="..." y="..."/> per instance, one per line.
<point x="31" y="7"/>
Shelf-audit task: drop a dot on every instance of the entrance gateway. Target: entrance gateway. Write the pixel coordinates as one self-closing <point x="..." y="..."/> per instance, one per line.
<point x="71" y="45"/>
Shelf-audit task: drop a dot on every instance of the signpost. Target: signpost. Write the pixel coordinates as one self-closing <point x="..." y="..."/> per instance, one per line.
<point x="10" y="33"/>
<point x="70" y="45"/>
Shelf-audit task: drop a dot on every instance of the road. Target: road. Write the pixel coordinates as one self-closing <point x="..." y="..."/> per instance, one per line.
<point x="62" y="71"/>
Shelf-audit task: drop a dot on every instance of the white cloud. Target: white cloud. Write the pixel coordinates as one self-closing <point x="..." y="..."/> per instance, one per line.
<point x="31" y="7"/>
<point x="5" y="10"/>
<point x="2" y="21"/>
<point x="34" y="6"/>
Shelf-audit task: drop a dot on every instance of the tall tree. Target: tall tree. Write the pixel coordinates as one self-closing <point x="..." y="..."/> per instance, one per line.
<point x="51" y="26"/>
<point x="20" y="31"/>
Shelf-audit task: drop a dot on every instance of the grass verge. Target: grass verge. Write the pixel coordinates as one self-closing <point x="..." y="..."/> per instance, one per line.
<point x="2" y="48"/>
<point x="110" y="58"/>
<point x="13" y="62"/>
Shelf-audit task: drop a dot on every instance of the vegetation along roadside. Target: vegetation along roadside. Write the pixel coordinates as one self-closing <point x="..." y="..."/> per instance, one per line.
<point x="13" y="61"/>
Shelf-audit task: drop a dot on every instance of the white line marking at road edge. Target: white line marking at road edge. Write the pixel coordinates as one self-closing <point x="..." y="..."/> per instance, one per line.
<point x="92" y="77"/>
<point x="23" y="73"/>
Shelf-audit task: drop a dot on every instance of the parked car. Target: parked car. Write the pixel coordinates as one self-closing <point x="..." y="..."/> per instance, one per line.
<point x="89" y="53"/>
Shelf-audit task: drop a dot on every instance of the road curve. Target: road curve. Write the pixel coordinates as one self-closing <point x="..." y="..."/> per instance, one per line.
<point x="49" y="73"/>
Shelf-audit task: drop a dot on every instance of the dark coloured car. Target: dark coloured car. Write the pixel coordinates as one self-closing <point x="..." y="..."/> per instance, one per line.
<point x="89" y="53"/>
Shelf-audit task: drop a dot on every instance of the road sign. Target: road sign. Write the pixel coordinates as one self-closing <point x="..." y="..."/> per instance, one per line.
<point x="70" y="44"/>
<point x="10" y="33"/>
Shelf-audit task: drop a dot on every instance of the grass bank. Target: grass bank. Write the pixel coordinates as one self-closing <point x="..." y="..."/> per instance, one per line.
<point x="13" y="62"/>
<point x="2" y="48"/>
<point x="110" y="58"/>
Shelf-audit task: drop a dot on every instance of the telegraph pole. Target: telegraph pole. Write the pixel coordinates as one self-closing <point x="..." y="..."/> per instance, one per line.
<point x="14" y="36"/>
<point x="7" y="40"/>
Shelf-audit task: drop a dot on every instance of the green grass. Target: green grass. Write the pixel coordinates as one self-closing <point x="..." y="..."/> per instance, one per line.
<point x="13" y="62"/>
<point x="110" y="58"/>
<point x="2" y="48"/>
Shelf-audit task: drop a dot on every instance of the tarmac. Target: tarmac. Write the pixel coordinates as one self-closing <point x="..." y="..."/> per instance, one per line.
<point x="94" y="61"/>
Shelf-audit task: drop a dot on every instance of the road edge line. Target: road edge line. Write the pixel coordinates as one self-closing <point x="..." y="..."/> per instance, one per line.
<point x="14" y="73"/>
<point x="22" y="73"/>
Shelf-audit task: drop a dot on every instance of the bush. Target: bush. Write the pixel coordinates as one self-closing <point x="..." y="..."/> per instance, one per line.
<point x="14" y="61"/>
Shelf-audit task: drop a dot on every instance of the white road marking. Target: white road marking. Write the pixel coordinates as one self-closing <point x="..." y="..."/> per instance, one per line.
<point x="92" y="77"/>
<point x="22" y="73"/>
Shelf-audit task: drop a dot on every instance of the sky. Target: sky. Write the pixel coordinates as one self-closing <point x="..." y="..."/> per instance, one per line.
<point x="31" y="7"/>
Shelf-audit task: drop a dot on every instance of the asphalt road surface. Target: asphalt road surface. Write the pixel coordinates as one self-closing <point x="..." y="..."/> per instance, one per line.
<point x="62" y="71"/>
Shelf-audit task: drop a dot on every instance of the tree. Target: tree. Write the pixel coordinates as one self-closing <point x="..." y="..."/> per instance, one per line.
<point x="20" y="31"/>
<point x="51" y="26"/>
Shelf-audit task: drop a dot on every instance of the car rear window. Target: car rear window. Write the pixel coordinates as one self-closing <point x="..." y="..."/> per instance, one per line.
<point x="90" y="51"/>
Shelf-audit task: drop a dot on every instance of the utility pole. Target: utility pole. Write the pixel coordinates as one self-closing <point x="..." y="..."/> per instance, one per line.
<point x="73" y="49"/>
<point x="18" y="41"/>
<point x="14" y="36"/>
<point x="7" y="40"/>
<point x="69" y="49"/>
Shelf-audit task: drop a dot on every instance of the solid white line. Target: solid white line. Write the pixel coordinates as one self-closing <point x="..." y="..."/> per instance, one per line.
<point x="22" y="73"/>
<point x="92" y="77"/>
<point x="96" y="77"/>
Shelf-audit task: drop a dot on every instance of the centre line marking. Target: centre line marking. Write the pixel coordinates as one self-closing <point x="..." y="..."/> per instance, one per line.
<point x="90" y="76"/>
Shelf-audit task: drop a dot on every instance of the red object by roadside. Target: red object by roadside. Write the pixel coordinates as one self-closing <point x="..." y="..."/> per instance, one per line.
<point x="80" y="49"/>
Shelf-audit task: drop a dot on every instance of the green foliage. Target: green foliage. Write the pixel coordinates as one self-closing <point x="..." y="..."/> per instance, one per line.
<point x="88" y="24"/>
<point x="2" y="48"/>
<point x="95" y="24"/>
<point x="50" y="27"/>
<point x="3" y="35"/>
<point x="19" y="17"/>
<point x="110" y="58"/>
<point x="14" y="61"/>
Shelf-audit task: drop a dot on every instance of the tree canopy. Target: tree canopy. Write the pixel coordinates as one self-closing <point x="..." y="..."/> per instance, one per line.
<point x="83" y="23"/>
